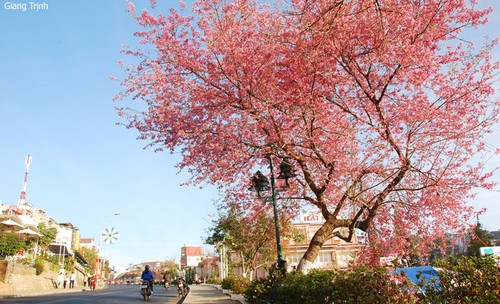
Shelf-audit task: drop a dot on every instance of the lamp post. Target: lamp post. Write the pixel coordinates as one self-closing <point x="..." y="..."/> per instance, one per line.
<point x="260" y="183"/>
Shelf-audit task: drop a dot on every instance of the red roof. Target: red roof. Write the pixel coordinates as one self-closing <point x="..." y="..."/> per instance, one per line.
<point x="191" y="250"/>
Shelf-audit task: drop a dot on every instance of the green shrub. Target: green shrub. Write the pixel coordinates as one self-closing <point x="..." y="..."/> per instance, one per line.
<point x="39" y="266"/>
<point x="358" y="285"/>
<point x="313" y="288"/>
<point x="260" y="291"/>
<point x="237" y="284"/>
<point x="227" y="282"/>
<point x="368" y="284"/>
<point x="466" y="280"/>
<point x="264" y="290"/>
<point x="474" y="280"/>
<point x="240" y="284"/>
<point x="216" y="281"/>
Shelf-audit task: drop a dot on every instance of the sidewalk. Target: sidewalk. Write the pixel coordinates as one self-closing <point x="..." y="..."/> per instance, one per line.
<point x="207" y="294"/>
<point x="34" y="293"/>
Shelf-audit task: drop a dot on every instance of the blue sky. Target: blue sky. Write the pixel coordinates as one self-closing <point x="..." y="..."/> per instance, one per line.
<point x="56" y="104"/>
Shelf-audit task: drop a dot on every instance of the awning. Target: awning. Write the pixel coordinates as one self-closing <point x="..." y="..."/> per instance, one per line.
<point x="60" y="249"/>
<point x="80" y="259"/>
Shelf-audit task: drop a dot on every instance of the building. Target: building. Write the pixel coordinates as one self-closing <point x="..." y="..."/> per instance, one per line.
<point x="131" y="276"/>
<point x="63" y="243"/>
<point x="191" y="256"/>
<point x="67" y="240"/>
<point x="495" y="237"/>
<point x="88" y="243"/>
<point x="335" y="252"/>
<point x="208" y="267"/>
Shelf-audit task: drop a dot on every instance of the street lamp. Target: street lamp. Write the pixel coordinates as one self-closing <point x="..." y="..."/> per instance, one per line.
<point x="260" y="183"/>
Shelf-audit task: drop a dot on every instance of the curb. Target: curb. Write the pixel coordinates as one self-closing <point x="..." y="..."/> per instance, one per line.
<point x="237" y="297"/>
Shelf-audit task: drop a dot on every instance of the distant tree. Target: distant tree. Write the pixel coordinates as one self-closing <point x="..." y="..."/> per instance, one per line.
<point x="380" y="106"/>
<point x="170" y="268"/>
<point x="450" y="245"/>
<point x="190" y="273"/>
<point x="90" y="255"/>
<point x="48" y="235"/>
<point x="479" y="237"/>
<point x="249" y="235"/>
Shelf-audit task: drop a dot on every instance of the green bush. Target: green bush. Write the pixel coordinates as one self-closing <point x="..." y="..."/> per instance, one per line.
<point x="313" y="288"/>
<point x="239" y="285"/>
<point x="216" y="281"/>
<point x="39" y="266"/>
<point x="261" y="291"/>
<point x="474" y="280"/>
<point x="358" y="285"/>
<point x="227" y="282"/>
<point x="466" y="280"/>
<point x="368" y="284"/>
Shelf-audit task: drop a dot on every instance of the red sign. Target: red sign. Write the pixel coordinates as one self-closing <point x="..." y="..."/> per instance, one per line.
<point x="311" y="217"/>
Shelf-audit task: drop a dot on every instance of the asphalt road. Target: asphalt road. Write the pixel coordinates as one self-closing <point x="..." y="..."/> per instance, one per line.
<point x="111" y="295"/>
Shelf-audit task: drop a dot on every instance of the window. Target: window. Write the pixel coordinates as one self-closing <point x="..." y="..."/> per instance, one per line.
<point x="295" y="257"/>
<point x="324" y="257"/>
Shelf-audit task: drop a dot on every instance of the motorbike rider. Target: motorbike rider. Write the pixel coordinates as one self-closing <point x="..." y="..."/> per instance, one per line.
<point x="166" y="280"/>
<point x="147" y="275"/>
<point x="181" y="282"/>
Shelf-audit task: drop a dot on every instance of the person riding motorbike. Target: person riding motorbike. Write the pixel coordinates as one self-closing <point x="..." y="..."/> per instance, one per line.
<point x="166" y="280"/>
<point x="183" y="286"/>
<point x="147" y="275"/>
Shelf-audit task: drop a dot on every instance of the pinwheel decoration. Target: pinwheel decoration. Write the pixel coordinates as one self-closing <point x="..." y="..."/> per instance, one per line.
<point x="110" y="235"/>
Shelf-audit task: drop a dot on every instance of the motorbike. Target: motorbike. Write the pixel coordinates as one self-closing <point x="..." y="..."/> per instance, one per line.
<point x="146" y="290"/>
<point x="181" y="289"/>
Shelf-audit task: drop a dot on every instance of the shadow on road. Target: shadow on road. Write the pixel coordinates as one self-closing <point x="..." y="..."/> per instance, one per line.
<point x="181" y="300"/>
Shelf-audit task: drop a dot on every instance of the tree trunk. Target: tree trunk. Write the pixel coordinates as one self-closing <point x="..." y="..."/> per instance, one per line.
<point x="323" y="234"/>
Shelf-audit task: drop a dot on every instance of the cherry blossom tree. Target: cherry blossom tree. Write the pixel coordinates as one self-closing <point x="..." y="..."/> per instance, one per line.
<point x="380" y="106"/>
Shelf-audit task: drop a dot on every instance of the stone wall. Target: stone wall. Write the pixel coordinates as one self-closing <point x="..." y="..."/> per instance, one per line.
<point x="20" y="277"/>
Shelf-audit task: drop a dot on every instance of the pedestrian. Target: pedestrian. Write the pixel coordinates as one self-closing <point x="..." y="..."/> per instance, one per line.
<point x="65" y="280"/>
<point x="60" y="280"/>
<point x="72" y="279"/>
<point x="92" y="282"/>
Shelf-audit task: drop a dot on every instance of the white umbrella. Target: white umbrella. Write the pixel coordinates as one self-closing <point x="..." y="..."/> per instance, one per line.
<point x="10" y="222"/>
<point x="28" y="231"/>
